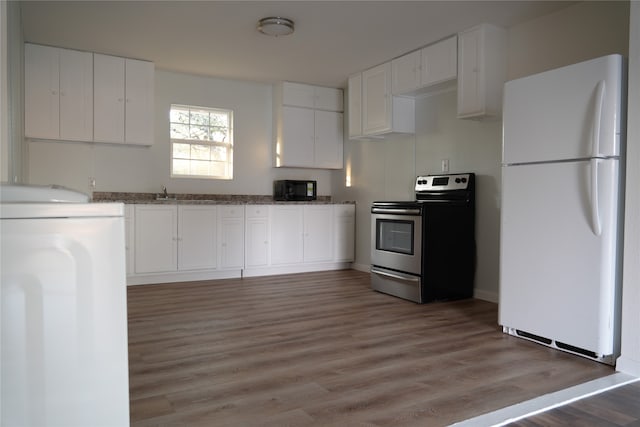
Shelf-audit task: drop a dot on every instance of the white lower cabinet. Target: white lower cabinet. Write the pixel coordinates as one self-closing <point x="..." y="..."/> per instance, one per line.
<point x="197" y="237"/>
<point x="156" y="240"/>
<point x="196" y="242"/>
<point x="318" y="233"/>
<point x="231" y="236"/>
<point x="257" y="235"/>
<point x="187" y="238"/>
<point x="286" y="234"/>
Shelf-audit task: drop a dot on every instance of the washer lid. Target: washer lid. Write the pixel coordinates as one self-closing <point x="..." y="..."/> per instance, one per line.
<point x="16" y="193"/>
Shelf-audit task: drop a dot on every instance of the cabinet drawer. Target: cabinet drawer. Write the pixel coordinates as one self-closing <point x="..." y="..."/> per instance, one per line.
<point x="233" y="211"/>
<point x="257" y="211"/>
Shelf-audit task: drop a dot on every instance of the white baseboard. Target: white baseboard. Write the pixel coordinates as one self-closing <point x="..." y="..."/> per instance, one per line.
<point x="628" y="366"/>
<point x="145" y="279"/>
<point x="485" y="295"/>
<point x="293" y="269"/>
<point x="361" y="267"/>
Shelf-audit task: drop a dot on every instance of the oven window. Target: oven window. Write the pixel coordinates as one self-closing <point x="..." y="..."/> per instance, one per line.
<point x="394" y="236"/>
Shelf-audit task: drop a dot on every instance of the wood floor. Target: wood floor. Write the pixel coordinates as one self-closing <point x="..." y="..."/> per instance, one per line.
<point x="617" y="407"/>
<point x="323" y="349"/>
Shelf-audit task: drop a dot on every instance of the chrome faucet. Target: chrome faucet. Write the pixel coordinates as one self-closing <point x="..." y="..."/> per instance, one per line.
<point x="164" y="192"/>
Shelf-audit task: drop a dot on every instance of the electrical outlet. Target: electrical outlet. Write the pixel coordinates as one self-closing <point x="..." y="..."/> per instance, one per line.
<point x="445" y="165"/>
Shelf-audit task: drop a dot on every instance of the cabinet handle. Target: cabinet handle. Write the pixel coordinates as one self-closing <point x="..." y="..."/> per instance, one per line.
<point x="128" y="100"/>
<point x="62" y="93"/>
<point x="120" y="100"/>
<point x="54" y="92"/>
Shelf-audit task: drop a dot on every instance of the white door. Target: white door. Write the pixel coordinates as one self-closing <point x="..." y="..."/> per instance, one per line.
<point x="155" y="238"/>
<point x="286" y="234"/>
<point x="329" y="140"/>
<point x="197" y="237"/>
<point x="559" y="252"/>
<point x="556" y="115"/>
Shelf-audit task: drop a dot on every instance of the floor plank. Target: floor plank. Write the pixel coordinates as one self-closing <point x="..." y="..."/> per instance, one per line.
<point x="324" y="349"/>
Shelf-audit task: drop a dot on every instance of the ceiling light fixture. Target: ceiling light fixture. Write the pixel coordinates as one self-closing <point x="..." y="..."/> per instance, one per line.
<point x="275" y="26"/>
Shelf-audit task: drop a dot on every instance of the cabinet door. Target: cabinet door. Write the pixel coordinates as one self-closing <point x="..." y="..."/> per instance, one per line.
<point x="405" y="72"/>
<point x="329" y="143"/>
<point x="329" y="99"/>
<point x="139" y="95"/>
<point x="440" y="62"/>
<point x="231" y="236"/>
<point x="296" y="145"/>
<point x="108" y="101"/>
<point x="470" y="94"/>
<point x="76" y="95"/>
<point x="155" y="238"/>
<point x="41" y="92"/>
<point x="376" y="99"/>
<point x="344" y="233"/>
<point x="318" y="233"/>
<point x="355" y="105"/>
<point x="257" y="236"/>
<point x="286" y="234"/>
<point x="197" y="237"/>
<point x="298" y="94"/>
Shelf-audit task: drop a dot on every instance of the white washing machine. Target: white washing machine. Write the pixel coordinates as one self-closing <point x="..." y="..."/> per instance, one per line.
<point x="64" y="351"/>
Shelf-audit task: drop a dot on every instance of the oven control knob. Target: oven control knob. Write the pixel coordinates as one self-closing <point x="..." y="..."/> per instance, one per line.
<point x="464" y="179"/>
<point x="457" y="180"/>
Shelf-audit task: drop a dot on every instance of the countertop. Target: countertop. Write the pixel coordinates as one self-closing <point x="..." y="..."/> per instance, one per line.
<point x="200" y="199"/>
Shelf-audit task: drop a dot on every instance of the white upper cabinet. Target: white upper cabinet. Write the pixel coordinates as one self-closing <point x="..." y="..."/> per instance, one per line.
<point x="439" y="62"/>
<point x="123" y="106"/>
<point x="481" y="71"/>
<point x="405" y="73"/>
<point x="426" y="69"/>
<point x="383" y="113"/>
<point x="58" y="93"/>
<point x="317" y="97"/>
<point x="308" y="123"/>
<point x="354" y="110"/>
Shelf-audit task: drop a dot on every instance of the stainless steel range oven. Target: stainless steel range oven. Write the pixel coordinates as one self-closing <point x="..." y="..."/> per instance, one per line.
<point x="424" y="250"/>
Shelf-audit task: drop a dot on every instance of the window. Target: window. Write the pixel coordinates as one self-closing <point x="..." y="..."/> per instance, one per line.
<point x="201" y="142"/>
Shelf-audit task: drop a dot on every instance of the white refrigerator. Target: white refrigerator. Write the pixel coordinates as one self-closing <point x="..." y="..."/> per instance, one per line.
<point x="562" y="206"/>
<point x="63" y="311"/>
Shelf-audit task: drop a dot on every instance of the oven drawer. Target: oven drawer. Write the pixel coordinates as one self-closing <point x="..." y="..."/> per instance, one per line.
<point x="398" y="284"/>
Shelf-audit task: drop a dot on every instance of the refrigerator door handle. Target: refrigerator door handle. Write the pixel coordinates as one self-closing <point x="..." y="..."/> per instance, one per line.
<point x="595" y="211"/>
<point x="597" y="119"/>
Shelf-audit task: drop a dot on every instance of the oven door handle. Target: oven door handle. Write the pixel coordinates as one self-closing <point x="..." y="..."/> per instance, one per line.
<point x="394" y="275"/>
<point x="395" y="211"/>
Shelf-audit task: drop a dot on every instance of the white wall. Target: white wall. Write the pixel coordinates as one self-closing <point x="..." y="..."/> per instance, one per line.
<point x="629" y="361"/>
<point x="146" y="169"/>
<point x="385" y="170"/>
<point x="11" y="92"/>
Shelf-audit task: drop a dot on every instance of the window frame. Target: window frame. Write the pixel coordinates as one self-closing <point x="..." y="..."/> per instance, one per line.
<point x="227" y="146"/>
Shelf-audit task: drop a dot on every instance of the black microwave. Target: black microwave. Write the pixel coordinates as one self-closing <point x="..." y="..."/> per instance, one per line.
<point x="294" y="190"/>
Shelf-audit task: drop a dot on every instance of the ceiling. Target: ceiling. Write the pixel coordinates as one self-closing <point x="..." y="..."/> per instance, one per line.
<point x="332" y="39"/>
